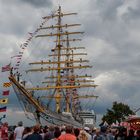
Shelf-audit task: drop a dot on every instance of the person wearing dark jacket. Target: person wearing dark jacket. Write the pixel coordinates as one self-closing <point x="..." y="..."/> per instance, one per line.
<point x="35" y="135"/>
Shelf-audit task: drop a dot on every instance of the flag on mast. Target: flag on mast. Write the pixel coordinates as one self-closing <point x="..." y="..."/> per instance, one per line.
<point x="6" y="68"/>
<point x="4" y="101"/>
<point x="7" y="84"/>
<point x="3" y="109"/>
<point x="5" y="93"/>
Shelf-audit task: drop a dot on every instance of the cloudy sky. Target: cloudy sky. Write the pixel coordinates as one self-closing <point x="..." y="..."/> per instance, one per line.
<point x="112" y="31"/>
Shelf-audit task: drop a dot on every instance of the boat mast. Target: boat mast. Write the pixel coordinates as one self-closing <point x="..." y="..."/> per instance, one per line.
<point x="67" y="65"/>
<point x="58" y="91"/>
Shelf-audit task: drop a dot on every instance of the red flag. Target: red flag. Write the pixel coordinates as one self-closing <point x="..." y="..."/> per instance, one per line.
<point x="3" y="109"/>
<point x="5" y="93"/>
<point x="6" y="68"/>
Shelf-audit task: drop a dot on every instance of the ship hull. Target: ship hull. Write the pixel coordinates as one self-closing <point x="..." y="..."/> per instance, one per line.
<point x="45" y="114"/>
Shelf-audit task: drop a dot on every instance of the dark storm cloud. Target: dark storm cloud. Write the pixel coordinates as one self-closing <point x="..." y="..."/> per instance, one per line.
<point x="108" y="8"/>
<point x="39" y="3"/>
<point x="132" y="13"/>
<point x="112" y="42"/>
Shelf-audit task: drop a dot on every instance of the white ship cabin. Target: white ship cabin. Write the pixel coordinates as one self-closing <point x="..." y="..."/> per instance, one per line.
<point x="89" y="118"/>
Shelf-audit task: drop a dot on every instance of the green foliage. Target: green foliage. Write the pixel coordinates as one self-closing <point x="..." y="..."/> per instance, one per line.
<point x="118" y="112"/>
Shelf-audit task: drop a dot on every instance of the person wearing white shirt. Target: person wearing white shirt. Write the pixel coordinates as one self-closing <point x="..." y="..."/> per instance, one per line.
<point x="18" y="131"/>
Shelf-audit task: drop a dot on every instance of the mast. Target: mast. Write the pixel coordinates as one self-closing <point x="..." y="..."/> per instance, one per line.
<point x="65" y="85"/>
<point x="58" y="94"/>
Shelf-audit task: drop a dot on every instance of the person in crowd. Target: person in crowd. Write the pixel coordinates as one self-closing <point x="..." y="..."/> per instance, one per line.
<point x="69" y="134"/>
<point x="50" y="134"/>
<point x="96" y="136"/>
<point x="44" y="131"/>
<point x="11" y="133"/>
<point x="35" y="135"/>
<point x="57" y="133"/>
<point x="122" y="134"/>
<point x="63" y="131"/>
<point x="138" y="134"/>
<point x="76" y="133"/>
<point x="131" y="135"/>
<point x="27" y="131"/>
<point x="4" y="131"/>
<point x="87" y="131"/>
<point x="18" y="132"/>
<point x="104" y="133"/>
<point x="82" y="135"/>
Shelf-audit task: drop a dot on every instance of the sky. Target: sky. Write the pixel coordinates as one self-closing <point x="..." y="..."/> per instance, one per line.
<point x="112" y="31"/>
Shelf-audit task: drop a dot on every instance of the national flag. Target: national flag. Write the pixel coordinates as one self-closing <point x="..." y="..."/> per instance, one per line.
<point x="5" y="93"/>
<point x="4" y="101"/>
<point x="6" y="68"/>
<point x="3" y="109"/>
<point x="7" y="84"/>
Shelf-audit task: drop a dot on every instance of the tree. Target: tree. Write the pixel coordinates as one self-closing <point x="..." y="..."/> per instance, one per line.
<point x="118" y="112"/>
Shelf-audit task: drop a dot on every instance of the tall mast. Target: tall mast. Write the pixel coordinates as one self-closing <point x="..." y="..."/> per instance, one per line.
<point x="58" y="94"/>
<point x="66" y="61"/>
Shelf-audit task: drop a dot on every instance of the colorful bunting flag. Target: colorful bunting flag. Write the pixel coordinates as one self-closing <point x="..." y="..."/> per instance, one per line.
<point x="3" y="109"/>
<point x="20" y="52"/>
<point x="8" y="84"/>
<point x="16" y="56"/>
<point x="4" y="101"/>
<point x="16" y="68"/>
<point x="6" y="92"/>
<point x="18" y="61"/>
<point x="6" y="68"/>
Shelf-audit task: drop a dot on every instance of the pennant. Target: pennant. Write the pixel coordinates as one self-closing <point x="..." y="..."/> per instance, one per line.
<point x="6" y="68"/>
<point x="5" y="93"/>
<point x="20" y="45"/>
<point x="29" y="38"/>
<point x="20" y="52"/>
<point x="25" y="44"/>
<point x="8" y="84"/>
<point x="16" y="68"/>
<point x="16" y="56"/>
<point x="30" y="33"/>
<point x="3" y="109"/>
<point x="17" y="64"/>
<point x="4" y="101"/>
<point x="18" y="61"/>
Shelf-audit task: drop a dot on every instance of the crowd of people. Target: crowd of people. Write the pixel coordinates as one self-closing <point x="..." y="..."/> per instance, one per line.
<point x="65" y="132"/>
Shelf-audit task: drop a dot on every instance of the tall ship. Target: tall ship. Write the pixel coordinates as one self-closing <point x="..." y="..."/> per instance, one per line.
<point x="57" y="84"/>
